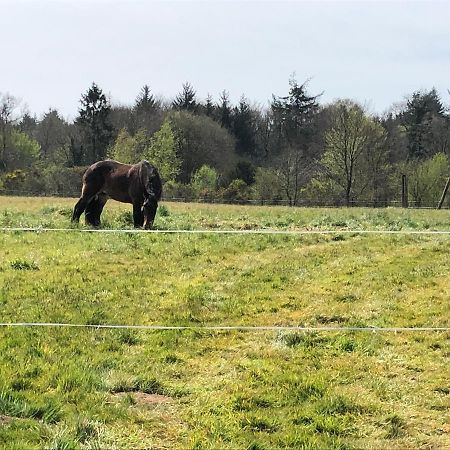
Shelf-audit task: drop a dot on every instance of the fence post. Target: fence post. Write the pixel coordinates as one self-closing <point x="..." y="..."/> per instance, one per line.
<point x="444" y="193"/>
<point x="404" y="191"/>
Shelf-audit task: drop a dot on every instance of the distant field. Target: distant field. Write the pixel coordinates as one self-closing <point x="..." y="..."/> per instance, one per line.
<point x="95" y="389"/>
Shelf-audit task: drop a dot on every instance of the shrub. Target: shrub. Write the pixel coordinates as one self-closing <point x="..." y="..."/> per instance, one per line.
<point x="237" y="190"/>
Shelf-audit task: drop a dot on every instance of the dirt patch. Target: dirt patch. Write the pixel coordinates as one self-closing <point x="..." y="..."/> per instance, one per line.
<point x="141" y="398"/>
<point x="151" y="399"/>
<point x="5" y="420"/>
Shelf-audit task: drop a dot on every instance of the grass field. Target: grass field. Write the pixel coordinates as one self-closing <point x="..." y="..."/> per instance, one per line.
<point x="97" y="388"/>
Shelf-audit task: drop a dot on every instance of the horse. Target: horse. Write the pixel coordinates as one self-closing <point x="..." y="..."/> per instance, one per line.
<point x="138" y="184"/>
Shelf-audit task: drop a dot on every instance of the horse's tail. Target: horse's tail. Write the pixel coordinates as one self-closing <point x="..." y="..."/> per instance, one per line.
<point x="150" y="179"/>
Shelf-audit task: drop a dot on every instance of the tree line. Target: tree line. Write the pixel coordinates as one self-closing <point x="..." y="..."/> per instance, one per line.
<point x="296" y="150"/>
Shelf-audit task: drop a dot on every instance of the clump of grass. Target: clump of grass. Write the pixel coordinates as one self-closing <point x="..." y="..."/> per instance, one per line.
<point x="330" y="425"/>
<point x="52" y="209"/>
<point x="332" y="405"/>
<point x="307" y="340"/>
<point x="23" y="264"/>
<point x="259" y="424"/>
<point x="11" y="404"/>
<point x="246" y="403"/>
<point x="163" y="211"/>
<point x="121" y="382"/>
<point x="395" y="426"/>
<point x="86" y="430"/>
<point x="21" y="384"/>
<point x="346" y="298"/>
<point x="97" y="317"/>
<point x="128" y="337"/>
<point x="63" y="440"/>
<point x="172" y="359"/>
<point x="306" y="389"/>
<point x="124" y="218"/>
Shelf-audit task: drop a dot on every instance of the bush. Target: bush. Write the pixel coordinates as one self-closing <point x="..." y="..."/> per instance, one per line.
<point x="266" y="186"/>
<point x="53" y="180"/>
<point x="237" y="190"/>
<point x="175" y="190"/>
<point x="204" y="182"/>
<point x="427" y="179"/>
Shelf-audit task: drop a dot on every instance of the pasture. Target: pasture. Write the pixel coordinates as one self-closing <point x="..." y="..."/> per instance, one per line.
<point x="67" y="388"/>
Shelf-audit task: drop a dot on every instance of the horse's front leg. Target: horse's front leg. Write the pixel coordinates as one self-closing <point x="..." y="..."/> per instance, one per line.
<point x="149" y="210"/>
<point x="138" y="216"/>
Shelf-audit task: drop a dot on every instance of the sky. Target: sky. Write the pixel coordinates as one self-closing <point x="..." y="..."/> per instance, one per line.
<point x="373" y="52"/>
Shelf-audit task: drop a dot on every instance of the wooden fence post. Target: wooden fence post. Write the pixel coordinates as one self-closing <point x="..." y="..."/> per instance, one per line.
<point x="404" y="191"/>
<point x="444" y="193"/>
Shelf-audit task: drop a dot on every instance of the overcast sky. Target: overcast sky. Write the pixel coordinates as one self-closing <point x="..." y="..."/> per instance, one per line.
<point x="374" y="52"/>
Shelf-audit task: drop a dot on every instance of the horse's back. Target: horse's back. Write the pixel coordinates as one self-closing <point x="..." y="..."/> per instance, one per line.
<point x="106" y="167"/>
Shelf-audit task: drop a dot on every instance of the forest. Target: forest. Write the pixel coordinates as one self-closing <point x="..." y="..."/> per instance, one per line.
<point x="296" y="150"/>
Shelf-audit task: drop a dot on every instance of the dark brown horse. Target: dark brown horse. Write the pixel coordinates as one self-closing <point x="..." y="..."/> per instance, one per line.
<point x="138" y="184"/>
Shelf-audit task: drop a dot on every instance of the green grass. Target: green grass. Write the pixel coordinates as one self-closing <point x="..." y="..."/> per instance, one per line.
<point x="100" y="388"/>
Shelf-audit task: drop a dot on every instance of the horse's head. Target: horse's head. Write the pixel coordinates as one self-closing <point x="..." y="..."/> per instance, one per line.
<point x="152" y="190"/>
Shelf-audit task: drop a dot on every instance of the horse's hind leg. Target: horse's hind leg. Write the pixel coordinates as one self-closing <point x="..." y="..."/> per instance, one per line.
<point x="92" y="185"/>
<point x="94" y="209"/>
<point x="79" y="208"/>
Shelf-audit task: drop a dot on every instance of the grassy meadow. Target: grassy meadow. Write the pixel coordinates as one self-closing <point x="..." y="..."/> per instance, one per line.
<point x="64" y="388"/>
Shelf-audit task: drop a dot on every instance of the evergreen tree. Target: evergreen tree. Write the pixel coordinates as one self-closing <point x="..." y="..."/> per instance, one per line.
<point x="145" y="101"/>
<point x="293" y="123"/>
<point x="209" y="107"/>
<point x="293" y="115"/>
<point x="224" y="111"/>
<point x="146" y="112"/>
<point x="417" y="119"/>
<point x="185" y="100"/>
<point x="94" y="122"/>
<point x="244" y="128"/>
<point x="28" y="124"/>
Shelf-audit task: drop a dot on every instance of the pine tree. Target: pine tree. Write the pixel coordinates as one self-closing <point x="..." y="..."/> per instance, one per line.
<point x="294" y="113"/>
<point x="93" y="120"/>
<point x="417" y="119"/>
<point x="209" y="107"/>
<point x="243" y="128"/>
<point x="145" y="101"/>
<point x="293" y="122"/>
<point x="185" y="100"/>
<point x="224" y="111"/>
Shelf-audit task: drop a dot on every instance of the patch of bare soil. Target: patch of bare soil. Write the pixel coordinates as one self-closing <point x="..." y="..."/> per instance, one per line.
<point x="5" y="420"/>
<point x="142" y="398"/>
